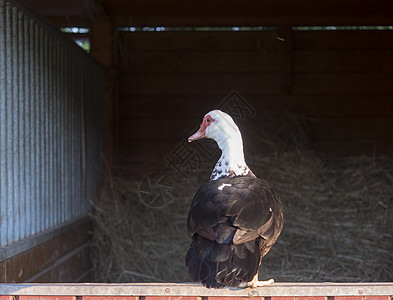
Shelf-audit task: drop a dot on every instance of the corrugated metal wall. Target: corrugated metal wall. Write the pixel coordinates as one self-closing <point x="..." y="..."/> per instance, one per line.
<point x="51" y="126"/>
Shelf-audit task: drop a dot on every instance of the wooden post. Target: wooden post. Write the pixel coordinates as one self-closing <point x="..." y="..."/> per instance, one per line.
<point x="101" y="40"/>
<point x="285" y="61"/>
<point x="102" y="47"/>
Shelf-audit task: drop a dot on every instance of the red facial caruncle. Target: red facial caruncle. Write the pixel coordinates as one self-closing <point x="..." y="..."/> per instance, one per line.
<point x="207" y="120"/>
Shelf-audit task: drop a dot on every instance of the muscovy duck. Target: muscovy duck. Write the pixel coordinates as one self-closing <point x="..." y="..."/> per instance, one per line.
<point x="235" y="218"/>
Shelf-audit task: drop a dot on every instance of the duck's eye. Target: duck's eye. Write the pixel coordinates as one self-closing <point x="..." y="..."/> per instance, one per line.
<point x="208" y="120"/>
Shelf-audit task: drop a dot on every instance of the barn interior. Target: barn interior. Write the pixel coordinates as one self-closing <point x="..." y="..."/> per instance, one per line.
<point x="310" y="86"/>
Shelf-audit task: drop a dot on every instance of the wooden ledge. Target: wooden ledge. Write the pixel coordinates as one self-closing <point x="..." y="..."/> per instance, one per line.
<point x="192" y="289"/>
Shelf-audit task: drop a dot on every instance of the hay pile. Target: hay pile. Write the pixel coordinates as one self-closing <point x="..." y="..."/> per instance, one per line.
<point x="338" y="215"/>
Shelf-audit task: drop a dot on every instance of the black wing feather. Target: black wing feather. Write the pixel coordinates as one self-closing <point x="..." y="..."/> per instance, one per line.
<point x="232" y="229"/>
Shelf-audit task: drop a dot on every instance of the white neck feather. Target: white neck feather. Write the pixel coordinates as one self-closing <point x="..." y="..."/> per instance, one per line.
<point x="231" y="162"/>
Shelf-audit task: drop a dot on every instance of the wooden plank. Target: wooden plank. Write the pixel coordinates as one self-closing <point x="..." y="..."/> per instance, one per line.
<point x="250" y="8"/>
<point x="296" y="298"/>
<point x="362" y="298"/>
<point x="69" y="21"/>
<point x="285" y="53"/>
<point x="344" y="127"/>
<point x="351" y="128"/>
<point x="338" y="105"/>
<point x="199" y="85"/>
<point x="172" y="298"/>
<point x="337" y="82"/>
<point x="67" y="268"/>
<point x="228" y="13"/>
<point x="330" y="118"/>
<point x="343" y="83"/>
<point x="232" y="13"/>
<point x="158" y="147"/>
<point x="260" y="20"/>
<point x="235" y="298"/>
<point x="140" y="155"/>
<point x="108" y="298"/>
<point x="103" y="46"/>
<point x="137" y="107"/>
<point x="364" y="61"/>
<point x="3" y="273"/>
<point x="154" y="107"/>
<point x="200" y="62"/>
<point x="198" y="41"/>
<point x="343" y="40"/>
<point x="35" y="240"/>
<point x="43" y="297"/>
<point x="159" y="129"/>
<point x="25" y="265"/>
<point x="86" y="277"/>
<point x="219" y="84"/>
<point x="101" y="40"/>
<point x="295" y="289"/>
<point x="347" y="147"/>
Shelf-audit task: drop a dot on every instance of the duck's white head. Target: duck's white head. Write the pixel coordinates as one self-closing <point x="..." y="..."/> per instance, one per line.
<point x="220" y="127"/>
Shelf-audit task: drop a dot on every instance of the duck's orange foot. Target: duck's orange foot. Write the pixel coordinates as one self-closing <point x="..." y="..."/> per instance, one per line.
<point x="256" y="283"/>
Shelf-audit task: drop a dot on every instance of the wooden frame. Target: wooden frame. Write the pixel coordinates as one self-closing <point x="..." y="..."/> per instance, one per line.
<point x="196" y="290"/>
<point x="58" y="255"/>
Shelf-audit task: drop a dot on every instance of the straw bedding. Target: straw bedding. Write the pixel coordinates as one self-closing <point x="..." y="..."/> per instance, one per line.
<point x="338" y="214"/>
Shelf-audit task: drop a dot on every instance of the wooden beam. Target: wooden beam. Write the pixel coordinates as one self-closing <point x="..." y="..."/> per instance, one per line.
<point x="69" y="21"/>
<point x="247" y="8"/>
<point x="282" y="289"/>
<point x="251" y="12"/>
<point x="225" y="13"/>
<point x="64" y="257"/>
<point x="102" y="47"/>
<point x="285" y="57"/>
<point x="101" y="40"/>
<point x="263" y="20"/>
<point x="59" y="8"/>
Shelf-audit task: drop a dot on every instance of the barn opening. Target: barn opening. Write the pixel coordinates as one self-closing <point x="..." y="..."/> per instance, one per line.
<point x="317" y="79"/>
